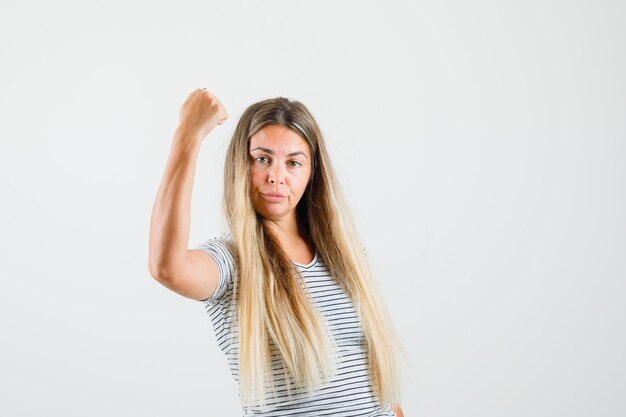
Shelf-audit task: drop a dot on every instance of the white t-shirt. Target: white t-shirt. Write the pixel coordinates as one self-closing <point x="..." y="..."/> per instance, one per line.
<point x="349" y="392"/>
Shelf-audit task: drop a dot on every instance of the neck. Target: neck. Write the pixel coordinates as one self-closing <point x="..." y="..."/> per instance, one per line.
<point x="287" y="230"/>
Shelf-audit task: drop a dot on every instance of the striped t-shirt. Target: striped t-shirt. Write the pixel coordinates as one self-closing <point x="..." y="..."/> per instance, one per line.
<point x="349" y="392"/>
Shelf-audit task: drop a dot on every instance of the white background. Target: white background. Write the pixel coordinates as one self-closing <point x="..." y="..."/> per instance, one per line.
<point x="481" y="145"/>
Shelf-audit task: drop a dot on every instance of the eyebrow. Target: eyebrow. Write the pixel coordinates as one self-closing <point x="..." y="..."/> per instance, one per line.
<point x="271" y="152"/>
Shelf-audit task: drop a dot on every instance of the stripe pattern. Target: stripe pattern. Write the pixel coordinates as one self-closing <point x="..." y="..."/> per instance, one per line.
<point x="349" y="392"/>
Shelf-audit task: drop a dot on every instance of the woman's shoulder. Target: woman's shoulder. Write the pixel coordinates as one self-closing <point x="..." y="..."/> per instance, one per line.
<point x="221" y="248"/>
<point x="222" y="243"/>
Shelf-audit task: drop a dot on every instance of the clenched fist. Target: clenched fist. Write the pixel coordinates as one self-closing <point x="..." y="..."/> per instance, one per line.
<point x="201" y="112"/>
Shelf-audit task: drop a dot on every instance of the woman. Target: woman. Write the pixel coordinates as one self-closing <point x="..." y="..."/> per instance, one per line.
<point x="289" y="291"/>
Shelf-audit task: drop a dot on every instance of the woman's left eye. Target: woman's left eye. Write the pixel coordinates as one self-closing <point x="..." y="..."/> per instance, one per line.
<point x="294" y="163"/>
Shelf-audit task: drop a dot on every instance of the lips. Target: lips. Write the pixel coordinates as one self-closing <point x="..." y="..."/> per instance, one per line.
<point x="273" y="197"/>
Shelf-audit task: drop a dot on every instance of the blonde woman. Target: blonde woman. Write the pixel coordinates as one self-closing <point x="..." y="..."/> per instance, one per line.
<point x="289" y="291"/>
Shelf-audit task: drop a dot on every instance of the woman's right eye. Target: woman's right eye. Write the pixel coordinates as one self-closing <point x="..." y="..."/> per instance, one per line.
<point x="261" y="159"/>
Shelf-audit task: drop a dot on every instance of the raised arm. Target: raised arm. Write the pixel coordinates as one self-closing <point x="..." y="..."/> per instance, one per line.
<point x="191" y="273"/>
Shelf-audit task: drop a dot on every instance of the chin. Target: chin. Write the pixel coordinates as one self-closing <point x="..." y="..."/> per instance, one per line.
<point x="272" y="214"/>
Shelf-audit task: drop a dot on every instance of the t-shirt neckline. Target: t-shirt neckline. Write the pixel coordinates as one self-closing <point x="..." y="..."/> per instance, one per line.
<point x="310" y="264"/>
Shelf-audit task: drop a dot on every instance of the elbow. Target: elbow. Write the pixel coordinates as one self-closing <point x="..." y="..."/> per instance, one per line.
<point x="155" y="272"/>
<point x="159" y="272"/>
<point x="165" y="266"/>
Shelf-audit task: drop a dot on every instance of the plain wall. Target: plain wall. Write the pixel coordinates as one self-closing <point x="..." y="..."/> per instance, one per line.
<point x="481" y="146"/>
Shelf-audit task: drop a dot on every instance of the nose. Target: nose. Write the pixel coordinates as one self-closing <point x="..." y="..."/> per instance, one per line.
<point x="276" y="175"/>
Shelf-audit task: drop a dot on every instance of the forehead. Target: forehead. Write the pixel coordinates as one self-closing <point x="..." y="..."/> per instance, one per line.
<point x="280" y="139"/>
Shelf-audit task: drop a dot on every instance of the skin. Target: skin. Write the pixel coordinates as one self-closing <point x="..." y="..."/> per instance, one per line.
<point x="280" y="162"/>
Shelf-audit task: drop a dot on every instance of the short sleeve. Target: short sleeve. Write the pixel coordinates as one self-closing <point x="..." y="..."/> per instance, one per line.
<point x="221" y="250"/>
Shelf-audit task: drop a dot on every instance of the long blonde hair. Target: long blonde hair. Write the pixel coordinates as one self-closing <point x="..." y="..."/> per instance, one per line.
<point x="273" y="309"/>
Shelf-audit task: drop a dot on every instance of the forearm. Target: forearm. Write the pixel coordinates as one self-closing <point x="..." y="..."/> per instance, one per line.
<point x="171" y="213"/>
<point x="398" y="411"/>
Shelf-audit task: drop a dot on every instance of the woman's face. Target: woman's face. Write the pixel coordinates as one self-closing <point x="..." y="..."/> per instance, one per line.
<point x="280" y="168"/>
